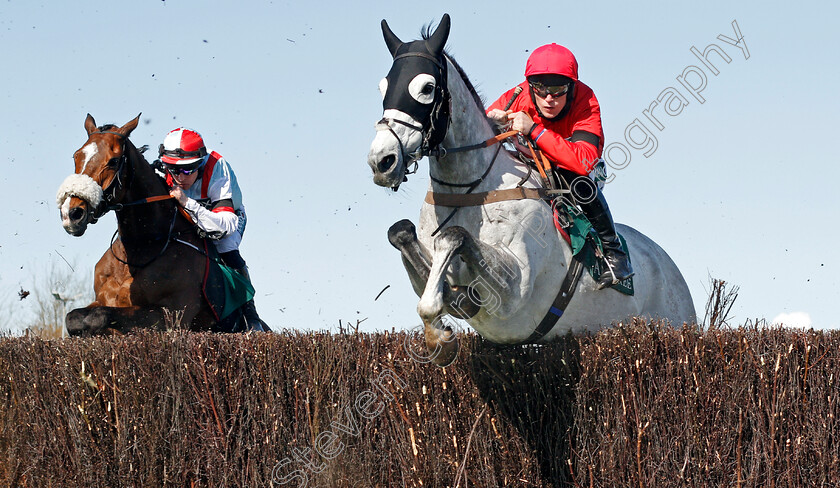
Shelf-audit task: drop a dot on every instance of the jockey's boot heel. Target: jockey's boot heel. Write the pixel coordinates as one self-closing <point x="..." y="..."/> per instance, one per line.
<point x="618" y="263"/>
<point x="255" y="323"/>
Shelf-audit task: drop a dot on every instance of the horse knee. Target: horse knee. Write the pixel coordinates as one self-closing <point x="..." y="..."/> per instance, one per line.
<point x="75" y="322"/>
<point x="452" y="238"/>
<point x="86" y="321"/>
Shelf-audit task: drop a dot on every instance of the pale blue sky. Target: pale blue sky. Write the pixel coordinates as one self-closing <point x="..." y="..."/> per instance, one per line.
<point x="739" y="187"/>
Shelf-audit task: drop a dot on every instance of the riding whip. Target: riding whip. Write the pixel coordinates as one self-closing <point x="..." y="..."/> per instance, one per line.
<point x="516" y="93"/>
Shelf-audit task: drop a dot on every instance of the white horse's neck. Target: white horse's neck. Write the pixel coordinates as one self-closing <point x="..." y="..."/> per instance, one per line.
<point x="468" y="125"/>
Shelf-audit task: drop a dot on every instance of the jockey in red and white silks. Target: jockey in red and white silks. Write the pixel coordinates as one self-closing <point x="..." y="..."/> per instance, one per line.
<point x="205" y="186"/>
<point x="215" y="203"/>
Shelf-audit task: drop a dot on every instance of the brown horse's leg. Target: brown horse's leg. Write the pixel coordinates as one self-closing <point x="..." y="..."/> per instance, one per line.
<point x="95" y="319"/>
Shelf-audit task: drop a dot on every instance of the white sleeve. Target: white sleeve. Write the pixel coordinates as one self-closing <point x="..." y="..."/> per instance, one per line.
<point x="215" y="224"/>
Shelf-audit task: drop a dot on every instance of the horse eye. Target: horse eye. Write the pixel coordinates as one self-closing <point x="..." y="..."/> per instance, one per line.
<point x="113" y="162"/>
<point x="422" y="88"/>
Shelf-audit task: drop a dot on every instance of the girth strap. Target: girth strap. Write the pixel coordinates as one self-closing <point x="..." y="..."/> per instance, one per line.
<point x="567" y="291"/>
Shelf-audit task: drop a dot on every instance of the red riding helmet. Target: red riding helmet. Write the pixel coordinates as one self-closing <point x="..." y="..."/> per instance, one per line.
<point x="182" y="147"/>
<point x="552" y="59"/>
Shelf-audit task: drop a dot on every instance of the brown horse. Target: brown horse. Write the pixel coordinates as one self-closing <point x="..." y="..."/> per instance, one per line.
<point x="157" y="264"/>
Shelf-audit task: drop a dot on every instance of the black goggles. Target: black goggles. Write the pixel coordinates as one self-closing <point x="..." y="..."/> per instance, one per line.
<point x="542" y="90"/>
<point x="185" y="170"/>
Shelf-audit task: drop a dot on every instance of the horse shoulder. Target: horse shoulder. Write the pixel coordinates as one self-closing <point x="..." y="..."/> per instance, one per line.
<point x="112" y="279"/>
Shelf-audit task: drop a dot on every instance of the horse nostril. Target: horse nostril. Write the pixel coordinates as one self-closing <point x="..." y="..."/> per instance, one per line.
<point x="386" y="163"/>
<point x="76" y="214"/>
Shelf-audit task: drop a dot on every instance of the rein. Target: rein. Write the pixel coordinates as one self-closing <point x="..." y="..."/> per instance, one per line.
<point x="471" y="186"/>
<point x="158" y="198"/>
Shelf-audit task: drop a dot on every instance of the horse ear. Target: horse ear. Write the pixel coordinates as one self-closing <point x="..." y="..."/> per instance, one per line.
<point x="438" y="39"/>
<point x="130" y="126"/>
<point x="90" y="124"/>
<point x="391" y="40"/>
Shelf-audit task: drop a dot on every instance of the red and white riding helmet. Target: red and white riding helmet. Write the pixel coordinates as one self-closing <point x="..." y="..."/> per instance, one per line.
<point x="182" y="147"/>
<point x="552" y="59"/>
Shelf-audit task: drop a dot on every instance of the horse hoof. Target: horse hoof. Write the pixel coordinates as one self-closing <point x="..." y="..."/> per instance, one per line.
<point x="447" y="354"/>
<point x="402" y="233"/>
<point x="443" y="347"/>
<point x="87" y="321"/>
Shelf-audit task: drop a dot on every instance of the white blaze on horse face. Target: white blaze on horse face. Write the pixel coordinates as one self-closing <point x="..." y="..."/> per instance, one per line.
<point x="89" y="151"/>
<point x="422" y="88"/>
<point x="65" y="214"/>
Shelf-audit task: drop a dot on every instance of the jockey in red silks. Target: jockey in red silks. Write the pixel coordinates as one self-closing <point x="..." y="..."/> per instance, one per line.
<point x="561" y="116"/>
<point x="205" y="186"/>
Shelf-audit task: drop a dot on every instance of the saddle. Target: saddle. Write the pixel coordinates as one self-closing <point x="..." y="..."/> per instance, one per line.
<point x="585" y="243"/>
<point x="225" y="290"/>
<point x="574" y="226"/>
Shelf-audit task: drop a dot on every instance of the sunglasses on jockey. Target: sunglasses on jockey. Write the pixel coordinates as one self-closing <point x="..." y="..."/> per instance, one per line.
<point x="178" y="153"/>
<point x="542" y="90"/>
<point x="178" y="170"/>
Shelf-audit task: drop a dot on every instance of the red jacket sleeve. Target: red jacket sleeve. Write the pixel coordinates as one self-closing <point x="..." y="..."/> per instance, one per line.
<point x="579" y="156"/>
<point x="557" y="139"/>
<point x="560" y="142"/>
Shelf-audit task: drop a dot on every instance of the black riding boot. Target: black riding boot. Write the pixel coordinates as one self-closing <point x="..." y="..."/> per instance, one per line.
<point x="618" y="263"/>
<point x="253" y="322"/>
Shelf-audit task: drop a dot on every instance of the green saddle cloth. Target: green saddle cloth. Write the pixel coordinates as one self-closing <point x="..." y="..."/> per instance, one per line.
<point x="585" y="240"/>
<point x="225" y="289"/>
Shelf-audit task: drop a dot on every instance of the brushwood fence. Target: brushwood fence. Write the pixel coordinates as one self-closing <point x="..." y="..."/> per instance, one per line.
<point x="638" y="405"/>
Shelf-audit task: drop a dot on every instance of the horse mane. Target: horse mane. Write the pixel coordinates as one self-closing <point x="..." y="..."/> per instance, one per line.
<point x="425" y="33"/>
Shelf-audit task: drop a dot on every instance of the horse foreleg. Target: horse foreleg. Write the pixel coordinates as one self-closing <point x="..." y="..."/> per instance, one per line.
<point x="494" y="273"/>
<point x="403" y="236"/>
<point x="95" y="319"/>
<point x="495" y="276"/>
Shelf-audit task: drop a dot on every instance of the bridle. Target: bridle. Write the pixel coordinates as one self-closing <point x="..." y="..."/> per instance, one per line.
<point x="109" y="194"/>
<point x="434" y="130"/>
<point x="109" y="203"/>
